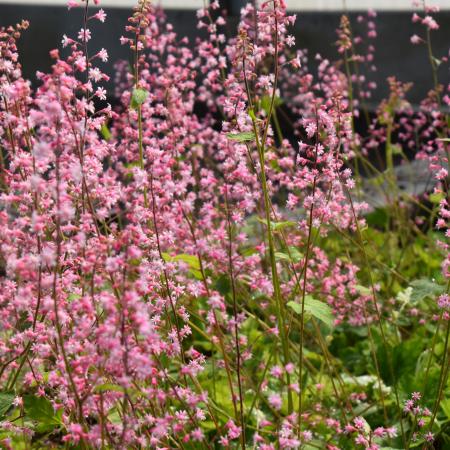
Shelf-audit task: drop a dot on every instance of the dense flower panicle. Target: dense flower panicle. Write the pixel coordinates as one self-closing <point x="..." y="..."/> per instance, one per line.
<point x="136" y="265"/>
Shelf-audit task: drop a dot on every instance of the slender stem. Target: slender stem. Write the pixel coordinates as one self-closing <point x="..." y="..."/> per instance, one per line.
<point x="260" y="145"/>
<point x="305" y="272"/>
<point x="235" y="317"/>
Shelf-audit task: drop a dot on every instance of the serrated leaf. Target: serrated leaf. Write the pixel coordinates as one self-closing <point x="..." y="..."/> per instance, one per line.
<point x="191" y="260"/>
<point x="276" y="226"/>
<point x="73" y="296"/>
<point x="316" y="308"/>
<point x="445" y="405"/>
<point x="138" y="97"/>
<point x="295" y="306"/>
<point x="280" y="225"/>
<point x="114" y="416"/>
<point x="245" y="136"/>
<point x="6" y="402"/>
<point x="292" y="256"/>
<point x="41" y="410"/>
<point x="108" y="387"/>
<point x="363" y="290"/>
<point x="425" y="288"/>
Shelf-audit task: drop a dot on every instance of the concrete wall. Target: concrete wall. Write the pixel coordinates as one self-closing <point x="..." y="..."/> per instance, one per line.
<point x="294" y="5"/>
<point x="314" y="30"/>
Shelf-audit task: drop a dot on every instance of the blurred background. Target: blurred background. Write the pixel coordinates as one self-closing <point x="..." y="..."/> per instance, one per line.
<point x="315" y="30"/>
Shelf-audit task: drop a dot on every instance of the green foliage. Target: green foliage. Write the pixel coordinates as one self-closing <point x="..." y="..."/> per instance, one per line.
<point x="104" y="131"/>
<point x="316" y="308"/>
<point x="291" y="254"/>
<point x="192" y="262"/>
<point x="6" y="403"/>
<point x="245" y="136"/>
<point x="41" y="411"/>
<point x="424" y="288"/>
<point x="138" y="97"/>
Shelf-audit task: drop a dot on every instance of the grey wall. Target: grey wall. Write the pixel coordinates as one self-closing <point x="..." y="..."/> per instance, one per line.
<point x="314" y="30"/>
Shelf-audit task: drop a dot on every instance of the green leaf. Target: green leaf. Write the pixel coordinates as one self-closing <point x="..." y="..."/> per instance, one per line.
<point x="73" y="296"/>
<point x="445" y="405"/>
<point x="104" y="131"/>
<point x="280" y="225"/>
<point x="108" y="387"/>
<point x="245" y="136"/>
<point x="363" y="290"/>
<point x="425" y="288"/>
<point x="267" y="100"/>
<point x="436" y="197"/>
<point x="293" y="255"/>
<point x="276" y="226"/>
<point x="208" y="425"/>
<point x="191" y="260"/>
<point x="378" y="218"/>
<point x="316" y="308"/>
<point x="396" y="149"/>
<point x="114" y="416"/>
<point x="138" y="97"/>
<point x="251" y="113"/>
<point x="41" y="410"/>
<point x="6" y="401"/>
<point x="296" y="307"/>
<point x="223" y="285"/>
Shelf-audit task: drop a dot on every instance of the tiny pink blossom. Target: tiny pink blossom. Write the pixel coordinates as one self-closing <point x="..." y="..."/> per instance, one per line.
<point x="415" y="39"/>
<point x="101" y="15"/>
<point x="430" y="23"/>
<point x="275" y="401"/>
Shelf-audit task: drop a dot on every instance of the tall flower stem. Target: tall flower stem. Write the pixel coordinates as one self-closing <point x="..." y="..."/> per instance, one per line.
<point x="305" y="273"/>
<point x="235" y="317"/>
<point x="261" y="148"/>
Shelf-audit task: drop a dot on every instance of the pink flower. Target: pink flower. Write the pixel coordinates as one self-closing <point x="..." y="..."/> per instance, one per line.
<point x="275" y="401"/>
<point x="101" y="93"/>
<point x="444" y="301"/>
<point x="18" y="401"/>
<point x="103" y="55"/>
<point x="416" y="18"/>
<point x="101" y="15"/>
<point x="429" y="437"/>
<point x="290" y="41"/>
<point x="66" y="41"/>
<point x="430" y="23"/>
<point x="415" y="39"/>
<point x="84" y="35"/>
<point x="359" y="423"/>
